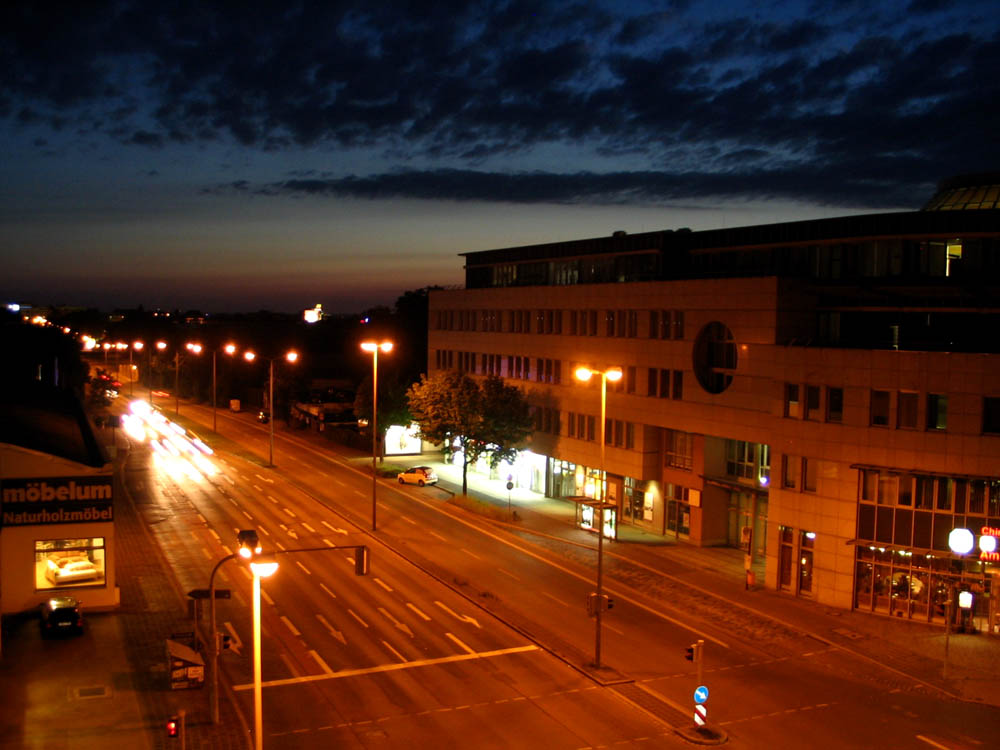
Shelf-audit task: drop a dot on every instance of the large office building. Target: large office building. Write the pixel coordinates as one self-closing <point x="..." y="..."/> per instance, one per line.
<point x="824" y="393"/>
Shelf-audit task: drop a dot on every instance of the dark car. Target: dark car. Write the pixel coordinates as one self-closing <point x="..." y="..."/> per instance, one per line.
<point x="61" y="614"/>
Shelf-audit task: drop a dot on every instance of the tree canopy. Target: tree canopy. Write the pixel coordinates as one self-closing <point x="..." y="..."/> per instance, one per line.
<point x="487" y="418"/>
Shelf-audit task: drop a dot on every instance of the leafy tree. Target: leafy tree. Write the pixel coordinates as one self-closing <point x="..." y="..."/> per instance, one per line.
<point x="393" y="407"/>
<point x="490" y="419"/>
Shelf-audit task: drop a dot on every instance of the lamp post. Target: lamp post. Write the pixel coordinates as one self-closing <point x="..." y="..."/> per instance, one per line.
<point x="160" y="346"/>
<point x="613" y="374"/>
<point x="229" y="349"/>
<point x="374" y="347"/>
<point x="136" y="346"/>
<point x="193" y="348"/>
<point x="261" y="567"/>
<point x="291" y="356"/>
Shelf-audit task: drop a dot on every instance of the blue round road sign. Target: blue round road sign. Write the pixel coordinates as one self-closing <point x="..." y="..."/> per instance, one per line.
<point x="700" y="694"/>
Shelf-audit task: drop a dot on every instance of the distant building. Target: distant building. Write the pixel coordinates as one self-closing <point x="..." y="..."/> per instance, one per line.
<point x="824" y="393"/>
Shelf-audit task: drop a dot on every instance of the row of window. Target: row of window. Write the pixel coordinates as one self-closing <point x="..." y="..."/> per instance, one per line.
<point x="952" y="494"/>
<point x="906" y="411"/>
<point x="660" y="324"/>
<point x="805" y="402"/>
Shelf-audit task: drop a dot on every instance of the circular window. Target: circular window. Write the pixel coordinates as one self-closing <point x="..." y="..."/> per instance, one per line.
<point x="714" y="357"/>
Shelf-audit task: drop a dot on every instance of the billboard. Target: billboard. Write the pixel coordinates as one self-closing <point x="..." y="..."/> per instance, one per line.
<point x="51" y="500"/>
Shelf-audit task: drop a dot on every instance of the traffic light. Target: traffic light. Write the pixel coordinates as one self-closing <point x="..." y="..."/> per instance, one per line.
<point x="690" y="652"/>
<point x="249" y="543"/>
<point x="361" y="560"/>
<point x="173" y="727"/>
<point x="609" y="602"/>
<point x="225" y="641"/>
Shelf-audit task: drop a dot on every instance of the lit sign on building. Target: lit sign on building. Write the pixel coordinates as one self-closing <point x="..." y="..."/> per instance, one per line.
<point x="962" y="542"/>
<point x="40" y="501"/>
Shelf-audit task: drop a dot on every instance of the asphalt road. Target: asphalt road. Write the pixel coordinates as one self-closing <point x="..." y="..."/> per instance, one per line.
<point x="466" y="634"/>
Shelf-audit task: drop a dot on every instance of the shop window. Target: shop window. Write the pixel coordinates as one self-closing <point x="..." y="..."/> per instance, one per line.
<point x="834" y="404"/>
<point x="937" y="411"/>
<point x="991" y="415"/>
<point x="880" y="409"/>
<point x="806" y="542"/>
<point x="69" y="563"/>
<point x="792" y="400"/>
<point x="906" y="411"/>
<point x="812" y="402"/>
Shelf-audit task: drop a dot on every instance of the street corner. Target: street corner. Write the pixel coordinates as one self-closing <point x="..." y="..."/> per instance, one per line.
<point x="703" y="735"/>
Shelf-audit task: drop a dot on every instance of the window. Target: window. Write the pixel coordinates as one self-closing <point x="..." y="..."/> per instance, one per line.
<point x="664" y="383"/>
<point x="69" y="563"/>
<point x="679" y="449"/>
<point x="741" y="458"/>
<point x="678" y="392"/>
<point x="790" y="471"/>
<point x="630" y="379"/>
<point x="812" y="402"/>
<point x="937" y="411"/>
<point x="991" y="414"/>
<point x="880" y="408"/>
<point x="809" y="467"/>
<point x="834" y="404"/>
<point x="792" y="400"/>
<point x="906" y="411"/>
<point x="806" y="541"/>
<point x="609" y="320"/>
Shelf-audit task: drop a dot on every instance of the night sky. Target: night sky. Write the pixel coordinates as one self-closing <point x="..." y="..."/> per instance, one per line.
<point x="243" y="156"/>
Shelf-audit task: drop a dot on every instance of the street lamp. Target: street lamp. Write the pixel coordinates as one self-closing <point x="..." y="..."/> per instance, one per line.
<point x="229" y="349"/>
<point x="374" y="347"/>
<point x="136" y="346"/>
<point x="194" y="349"/>
<point x="160" y="346"/>
<point x="290" y="356"/>
<point x="613" y="374"/>
<point x="262" y="566"/>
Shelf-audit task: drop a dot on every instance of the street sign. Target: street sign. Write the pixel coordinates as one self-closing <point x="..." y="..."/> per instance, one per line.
<point x="700" y="715"/>
<point x="207" y="594"/>
<point x="701" y="694"/>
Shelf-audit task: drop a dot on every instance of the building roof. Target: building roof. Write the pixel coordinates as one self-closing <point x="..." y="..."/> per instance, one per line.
<point x="49" y="420"/>
<point x="968" y="192"/>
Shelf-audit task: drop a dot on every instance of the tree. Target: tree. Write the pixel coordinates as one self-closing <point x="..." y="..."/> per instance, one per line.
<point x="392" y="405"/>
<point x="491" y="418"/>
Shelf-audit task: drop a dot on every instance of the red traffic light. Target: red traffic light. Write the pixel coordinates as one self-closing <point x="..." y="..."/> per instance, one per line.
<point x="173" y="727"/>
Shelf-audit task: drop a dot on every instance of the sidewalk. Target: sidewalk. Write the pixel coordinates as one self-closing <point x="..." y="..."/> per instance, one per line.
<point x="912" y="652"/>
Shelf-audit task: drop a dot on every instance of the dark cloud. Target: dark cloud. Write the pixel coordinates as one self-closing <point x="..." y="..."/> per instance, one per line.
<point x="834" y="98"/>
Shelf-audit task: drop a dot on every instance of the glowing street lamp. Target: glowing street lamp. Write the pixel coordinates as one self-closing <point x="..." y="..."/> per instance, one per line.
<point x="160" y="346"/>
<point x="137" y="346"/>
<point x="262" y="566"/>
<point x="291" y="356"/>
<point x="613" y="374"/>
<point x="374" y="347"/>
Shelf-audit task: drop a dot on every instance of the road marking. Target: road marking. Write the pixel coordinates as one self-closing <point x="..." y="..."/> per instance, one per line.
<point x="391" y="667"/>
<point x="463" y="618"/>
<point x="258" y="488"/>
<point x="246" y="573"/>
<point x="555" y="599"/>
<point x="289" y="513"/>
<point x="334" y="529"/>
<point x="292" y="534"/>
<point x="604" y="624"/>
<point x="401" y="626"/>
<point x="291" y="666"/>
<point x="280" y="546"/>
<point x="460" y="644"/>
<point x="434" y="533"/>
<point x="394" y="651"/>
<point x="226" y="477"/>
<point x="206" y="553"/>
<point x="264" y="479"/>
<point x="932" y="743"/>
<point x="249" y="517"/>
<point x="383" y="584"/>
<point x="266" y="532"/>
<point x="328" y="543"/>
<point x="355" y="616"/>
<point x="359" y="492"/>
<point x="269" y="497"/>
<point x="203" y="519"/>
<point x="470" y="554"/>
<point x="417" y="610"/>
<point x="328" y="591"/>
<point x="308" y="528"/>
<point x="215" y="533"/>
<point x="267" y="598"/>
<point x="409" y="520"/>
<point x="232" y="501"/>
<point x="508" y="573"/>
<point x="322" y="664"/>
<point x="307" y="571"/>
<point x="332" y="630"/>
<point x="288" y="624"/>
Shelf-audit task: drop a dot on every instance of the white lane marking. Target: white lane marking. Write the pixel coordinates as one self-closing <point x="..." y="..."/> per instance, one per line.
<point x="409" y="520"/>
<point x="604" y="624"/>
<point x="417" y="610"/>
<point x="359" y="492"/>
<point x="434" y="533"/>
<point x="554" y="598"/>
<point x="258" y="488"/>
<point x="215" y="533"/>
<point x="203" y="519"/>
<point x="289" y="513"/>
<point x="280" y="546"/>
<point x="463" y="618"/>
<point x="508" y="573"/>
<point x="304" y="568"/>
<point x="249" y="517"/>
<point x="232" y="501"/>
<point x="288" y="624"/>
<point x="470" y="554"/>
<point x="308" y="528"/>
<point x="932" y="743"/>
<point x="461" y="645"/>
<point x="228" y="551"/>
<point x="322" y="586"/>
<point x="395" y="652"/>
<point x="400" y="626"/>
<point x="266" y="532"/>
<point x="334" y="529"/>
<point x="322" y="664"/>
<point x="272" y="499"/>
<point x="266" y="597"/>
<point x="246" y="573"/>
<point x="328" y="543"/>
<point x="292" y="534"/>
<point x="226" y="477"/>
<point x="264" y="479"/>
<point x="389" y="667"/>
<point x="383" y="584"/>
<point x="332" y="630"/>
<point x="352" y="613"/>
<point x="291" y="667"/>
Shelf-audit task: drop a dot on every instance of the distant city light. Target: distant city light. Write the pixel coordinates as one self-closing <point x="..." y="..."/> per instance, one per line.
<point x="314" y="315"/>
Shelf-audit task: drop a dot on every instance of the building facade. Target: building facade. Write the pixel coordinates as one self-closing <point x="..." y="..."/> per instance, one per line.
<point x="824" y="394"/>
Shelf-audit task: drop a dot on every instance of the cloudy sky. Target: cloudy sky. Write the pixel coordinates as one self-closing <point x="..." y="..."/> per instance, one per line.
<point x="249" y="155"/>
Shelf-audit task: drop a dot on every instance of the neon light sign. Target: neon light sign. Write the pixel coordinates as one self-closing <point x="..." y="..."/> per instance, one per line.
<point x="962" y="542"/>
